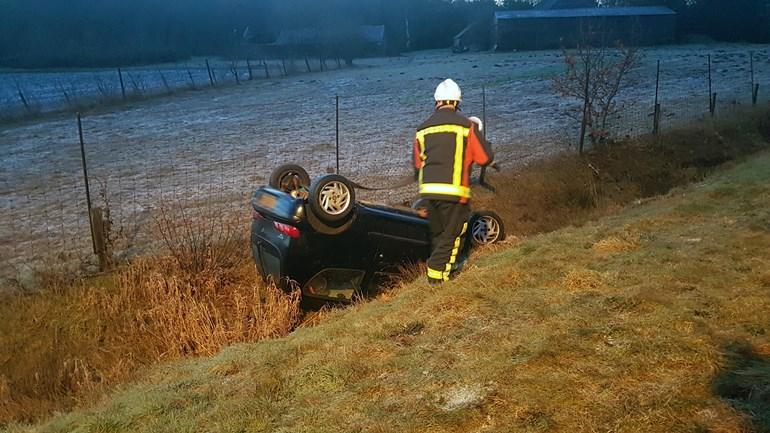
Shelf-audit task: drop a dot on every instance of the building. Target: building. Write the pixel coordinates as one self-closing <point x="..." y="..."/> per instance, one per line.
<point x="556" y="28"/>
<point x="566" y="4"/>
<point x="347" y="42"/>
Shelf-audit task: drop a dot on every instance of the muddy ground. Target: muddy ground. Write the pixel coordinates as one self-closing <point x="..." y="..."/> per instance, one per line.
<point x="210" y="148"/>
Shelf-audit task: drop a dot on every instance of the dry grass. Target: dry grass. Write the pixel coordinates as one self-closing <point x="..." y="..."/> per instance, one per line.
<point x="76" y="338"/>
<point x="571" y="189"/>
<point x="620" y="243"/>
<point x="581" y="280"/>
<point x="200" y="239"/>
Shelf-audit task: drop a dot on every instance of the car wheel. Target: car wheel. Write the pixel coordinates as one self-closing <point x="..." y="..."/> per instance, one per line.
<point x="292" y="179"/>
<point x="332" y="198"/>
<point x="420" y="203"/>
<point x="420" y="206"/>
<point x="486" y="228"/>
<point x="326" y="229"/>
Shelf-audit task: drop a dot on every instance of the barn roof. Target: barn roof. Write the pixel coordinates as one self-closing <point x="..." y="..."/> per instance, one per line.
<point x="565" y="4"/>
<point x="584" y="12"/>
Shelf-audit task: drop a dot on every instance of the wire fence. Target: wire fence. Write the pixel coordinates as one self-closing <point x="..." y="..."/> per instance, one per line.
<point x="25" y="94"/>
<point x="209" y="150"/>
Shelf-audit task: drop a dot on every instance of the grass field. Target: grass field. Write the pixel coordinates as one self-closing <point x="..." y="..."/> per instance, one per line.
<point x="652" y="319"/>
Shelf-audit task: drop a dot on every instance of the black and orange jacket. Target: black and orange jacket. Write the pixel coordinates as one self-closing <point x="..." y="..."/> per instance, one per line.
<point x="446" y="147"/>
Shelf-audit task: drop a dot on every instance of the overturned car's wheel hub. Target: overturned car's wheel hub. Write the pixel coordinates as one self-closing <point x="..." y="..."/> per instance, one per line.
<point x="486" y="230"/>
<point x="334" y="198"/>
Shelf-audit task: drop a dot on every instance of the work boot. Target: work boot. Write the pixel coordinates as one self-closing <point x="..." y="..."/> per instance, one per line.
<point x="459" y="264"/>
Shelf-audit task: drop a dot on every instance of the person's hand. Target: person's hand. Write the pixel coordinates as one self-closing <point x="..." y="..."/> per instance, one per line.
<point x="478" y="122"/>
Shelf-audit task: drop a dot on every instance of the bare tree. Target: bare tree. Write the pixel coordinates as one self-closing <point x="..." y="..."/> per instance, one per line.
<point x="595" y="76"/>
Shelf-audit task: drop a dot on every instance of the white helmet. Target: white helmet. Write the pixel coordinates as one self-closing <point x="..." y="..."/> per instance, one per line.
<point x="448" y="90"/>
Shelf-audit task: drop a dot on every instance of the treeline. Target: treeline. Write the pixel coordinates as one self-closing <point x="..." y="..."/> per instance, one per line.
<point x="73" y="33"/>
<point x="721" y="20"/>
<point x="89" y="33"/>
<point x="96" y="33"/>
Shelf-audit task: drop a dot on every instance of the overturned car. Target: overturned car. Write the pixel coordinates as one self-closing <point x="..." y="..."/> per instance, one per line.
<point x="315" y="235"/>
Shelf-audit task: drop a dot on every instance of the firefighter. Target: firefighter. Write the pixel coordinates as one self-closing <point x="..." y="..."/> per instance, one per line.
<point x="445" y="148"/>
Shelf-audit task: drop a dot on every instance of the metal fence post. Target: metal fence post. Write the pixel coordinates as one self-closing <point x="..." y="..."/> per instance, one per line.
<point x="337" y="131"/>
<point x="122" y="84"/>
<point x="267" y="69"/>
<point x="656" y="113"/>
<point x="584" y="121"/>
<point x="192" y="81"/>
<point x="712" y="96"/>
<point x="23" y="98"/>
<point x="85" y="178"/>
<point x="754" y="85"/>
<point x="211" y="75"/>
<point x="483" y="173"/>
<point x="235" y="73"/>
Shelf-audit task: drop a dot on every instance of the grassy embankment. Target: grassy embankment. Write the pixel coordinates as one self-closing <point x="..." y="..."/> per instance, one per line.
<point x="649" y="320"/>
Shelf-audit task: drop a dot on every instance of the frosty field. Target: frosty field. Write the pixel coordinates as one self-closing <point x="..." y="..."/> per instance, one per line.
<point x="211" y="147"/>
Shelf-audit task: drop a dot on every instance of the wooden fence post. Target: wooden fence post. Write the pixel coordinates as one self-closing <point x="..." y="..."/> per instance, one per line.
<point x="100" y="238"/>
<point x="755" y="96"/>
<point x="754" y="85"/>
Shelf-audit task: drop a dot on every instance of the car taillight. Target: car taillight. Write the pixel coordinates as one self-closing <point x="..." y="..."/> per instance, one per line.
<point x="286" y="229"/>
<point x="256" y="215"/>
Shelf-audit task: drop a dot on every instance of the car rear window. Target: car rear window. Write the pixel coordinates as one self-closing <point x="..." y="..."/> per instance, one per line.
<point x="335" y="284"/>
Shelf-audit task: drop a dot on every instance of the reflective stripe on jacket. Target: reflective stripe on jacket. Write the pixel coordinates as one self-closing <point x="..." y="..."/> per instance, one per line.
<point x="445" y="148"/>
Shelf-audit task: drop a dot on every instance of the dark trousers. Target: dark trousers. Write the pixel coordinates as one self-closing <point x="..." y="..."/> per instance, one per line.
<point x="448" y="222"/>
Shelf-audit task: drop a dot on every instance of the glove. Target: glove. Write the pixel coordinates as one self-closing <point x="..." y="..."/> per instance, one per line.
<point x="478" y="122"/>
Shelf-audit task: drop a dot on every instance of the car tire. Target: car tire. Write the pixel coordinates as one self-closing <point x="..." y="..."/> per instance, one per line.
<point x="420" y="203"/>
<point x="332" y="199"/>
<point x="289" y="178"/>
<point x="326" y="229"/>
<point x="486" y="228"/>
